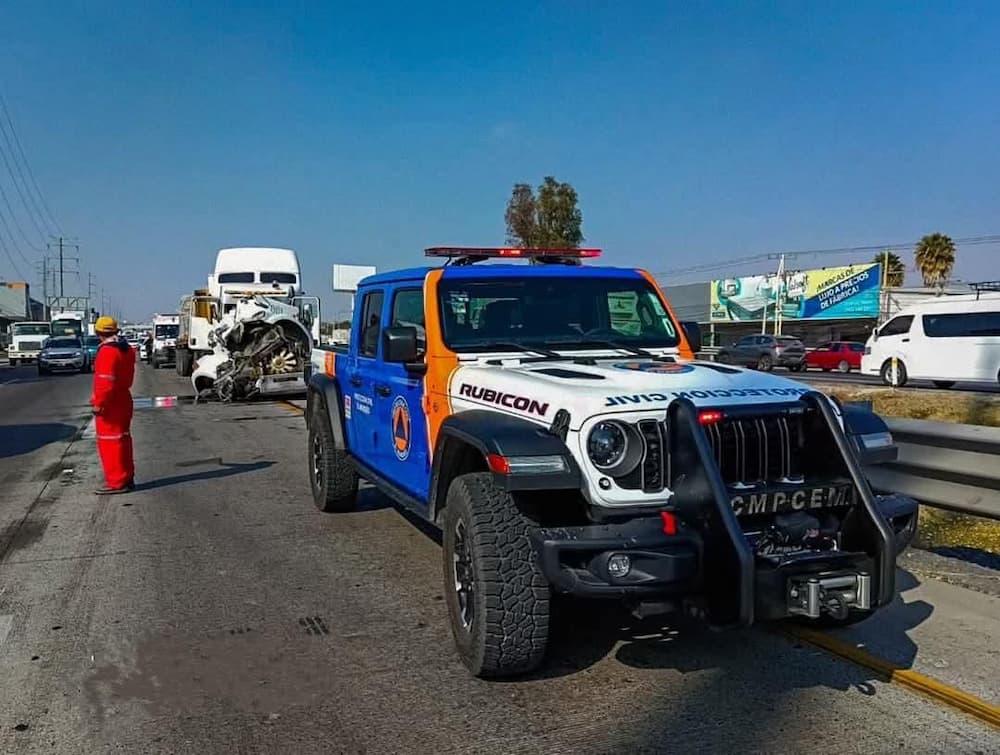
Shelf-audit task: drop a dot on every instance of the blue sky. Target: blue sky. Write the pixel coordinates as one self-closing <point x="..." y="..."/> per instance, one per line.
<point x="363" y="132"/>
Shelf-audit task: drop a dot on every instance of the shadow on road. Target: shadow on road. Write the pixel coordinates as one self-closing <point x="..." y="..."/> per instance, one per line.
<point x="22" y="439"/>
<point x="228" y="470"/>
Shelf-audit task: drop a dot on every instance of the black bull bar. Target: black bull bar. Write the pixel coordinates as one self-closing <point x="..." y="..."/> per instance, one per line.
<point x="737" y="588"/>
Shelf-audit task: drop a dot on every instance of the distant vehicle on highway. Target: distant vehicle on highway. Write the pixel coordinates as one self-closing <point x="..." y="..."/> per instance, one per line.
<point x="947" y="340"/>
<point x="842" y="356"/>
<point x="765" y="352"/>
<point x="63" y="354"/>
<point x="26" y="339"/>
<point x="91" y="344"/>
<point x="165" y="331"/>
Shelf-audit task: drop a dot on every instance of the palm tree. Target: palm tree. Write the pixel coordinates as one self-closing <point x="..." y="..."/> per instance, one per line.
<point x="935" y="254"/>
<point x="895" y="272"/>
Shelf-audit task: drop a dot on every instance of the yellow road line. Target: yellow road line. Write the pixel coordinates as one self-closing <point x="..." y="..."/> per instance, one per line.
<point x="905" y="677"/>
<point x="289" y="406"/>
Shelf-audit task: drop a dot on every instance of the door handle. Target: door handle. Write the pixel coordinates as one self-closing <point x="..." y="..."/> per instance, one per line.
<point x="355" y="381"/>
<point x="905" y="340"/>
<point x="383" y="390"/>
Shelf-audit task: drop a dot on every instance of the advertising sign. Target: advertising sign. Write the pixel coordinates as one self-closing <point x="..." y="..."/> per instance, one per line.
<point x="828" y="294"/>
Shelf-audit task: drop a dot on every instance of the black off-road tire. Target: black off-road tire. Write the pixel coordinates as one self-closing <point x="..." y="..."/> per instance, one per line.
<point x="332" y="476"/>
<point x="508" y="629"/>
<point x="887" y="368"/>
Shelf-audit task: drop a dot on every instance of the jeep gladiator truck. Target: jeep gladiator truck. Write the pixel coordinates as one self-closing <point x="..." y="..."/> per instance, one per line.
<point x="553" y="421"/>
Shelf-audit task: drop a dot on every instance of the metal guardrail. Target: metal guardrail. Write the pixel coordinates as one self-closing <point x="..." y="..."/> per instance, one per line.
<point x="945" y="465"/>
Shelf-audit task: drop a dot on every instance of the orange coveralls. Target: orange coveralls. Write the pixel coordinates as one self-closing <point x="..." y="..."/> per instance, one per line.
<point x="114" y="369"/>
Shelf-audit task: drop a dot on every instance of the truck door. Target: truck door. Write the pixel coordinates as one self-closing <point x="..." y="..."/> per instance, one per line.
<point x="363" y="370"/>
<point x="402" y="450"/>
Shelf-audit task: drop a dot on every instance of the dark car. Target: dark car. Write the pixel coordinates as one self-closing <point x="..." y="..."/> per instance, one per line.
<point x="63" y="354"/>
<point x="764" y="352"/>
<point x="842" y="356"/>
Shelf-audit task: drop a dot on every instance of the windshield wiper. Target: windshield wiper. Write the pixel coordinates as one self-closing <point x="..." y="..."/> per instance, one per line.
<point x="608" y="345"/>
<point x="514" y="346"/>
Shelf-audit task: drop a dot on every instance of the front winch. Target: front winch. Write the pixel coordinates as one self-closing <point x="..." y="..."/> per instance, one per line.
<point x="835" y="595"/>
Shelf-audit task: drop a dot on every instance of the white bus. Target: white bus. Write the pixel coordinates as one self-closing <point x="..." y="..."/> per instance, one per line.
<point x="947" y="340"/>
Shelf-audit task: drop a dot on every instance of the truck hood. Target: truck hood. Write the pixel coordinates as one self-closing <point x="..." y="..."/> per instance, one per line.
<point x="612" y="386"/>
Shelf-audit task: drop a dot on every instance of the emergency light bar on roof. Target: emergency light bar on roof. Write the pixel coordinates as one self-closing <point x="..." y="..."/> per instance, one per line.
<point x="463" y="255"/>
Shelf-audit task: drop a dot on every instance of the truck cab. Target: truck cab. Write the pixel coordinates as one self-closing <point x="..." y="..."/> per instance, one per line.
<point x="26" y="341"/>
<point x="553" y="420"/>
<point x="165" y="331"/>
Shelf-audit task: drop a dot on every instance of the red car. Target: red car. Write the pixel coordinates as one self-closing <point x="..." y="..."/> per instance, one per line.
<point x="842" y="356"/>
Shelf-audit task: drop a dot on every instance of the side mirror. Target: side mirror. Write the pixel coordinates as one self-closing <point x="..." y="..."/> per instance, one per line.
<point x="399" y="346"/>
<point x="692" y="331"/>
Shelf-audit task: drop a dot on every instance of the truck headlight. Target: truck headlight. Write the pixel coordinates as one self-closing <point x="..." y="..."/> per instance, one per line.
<point x="614" y="447"/>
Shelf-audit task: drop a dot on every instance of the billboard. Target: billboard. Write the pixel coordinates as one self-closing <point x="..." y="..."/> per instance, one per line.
<point x="828" y="294"/>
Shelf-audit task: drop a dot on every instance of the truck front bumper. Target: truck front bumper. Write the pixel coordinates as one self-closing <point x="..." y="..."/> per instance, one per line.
<point x="634" y="558"/>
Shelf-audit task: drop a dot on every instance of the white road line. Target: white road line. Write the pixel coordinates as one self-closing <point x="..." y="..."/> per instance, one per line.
<point x="6" y="623"/>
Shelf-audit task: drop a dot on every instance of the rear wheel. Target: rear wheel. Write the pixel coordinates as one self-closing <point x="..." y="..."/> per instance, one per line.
<point x="332" y="476"/>
<point x="843" y="366"/>
<point x="943" y="384"/>
<point x="498" y="599"/>
<point x="886" y="372"/>
<point x="765" y="363"/>
<point x="722" y="357"/>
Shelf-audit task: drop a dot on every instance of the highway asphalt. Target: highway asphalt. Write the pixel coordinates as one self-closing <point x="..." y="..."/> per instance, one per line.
<point x="215" y="610"/>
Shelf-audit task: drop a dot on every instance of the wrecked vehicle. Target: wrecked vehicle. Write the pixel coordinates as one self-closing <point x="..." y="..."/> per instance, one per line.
<point x="259" y="348"/>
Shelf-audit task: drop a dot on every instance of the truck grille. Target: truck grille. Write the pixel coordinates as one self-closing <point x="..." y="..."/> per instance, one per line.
<point x="30" y="346"/>
<point x="747" y="450"/>
<point x="757" y="449"/>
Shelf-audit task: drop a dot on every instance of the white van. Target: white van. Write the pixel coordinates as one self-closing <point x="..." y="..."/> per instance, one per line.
<point x="947" y="340"/>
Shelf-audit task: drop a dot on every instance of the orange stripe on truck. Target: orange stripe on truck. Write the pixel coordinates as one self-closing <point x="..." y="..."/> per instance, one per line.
<point x="441" y="362"/>
<point x="683" y="347"/>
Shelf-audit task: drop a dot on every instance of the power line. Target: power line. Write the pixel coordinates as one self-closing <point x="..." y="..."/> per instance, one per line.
<point x="13" y="241"/>
<point x="970" y="241"/>
<point x="27" y="165"/>
<point x="30" y="205"/>
<point x="17" y="223"/>
<point x="3" y="245"/>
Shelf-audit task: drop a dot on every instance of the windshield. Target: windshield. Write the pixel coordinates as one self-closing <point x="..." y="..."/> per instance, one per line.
<point x="167" y="331"/>
<point x="31" y="329"/>
<point x="554" y="312"/>
<point x="66" y="327"/>
<point x="235" y="278"/>
<point x="277" y="277"/>
<point x="63" y="343"/>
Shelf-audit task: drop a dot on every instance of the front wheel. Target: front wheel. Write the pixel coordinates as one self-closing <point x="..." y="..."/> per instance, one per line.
<point x="332" y="476"/>
<point x="765" y="363"/>
<point x="844" y="366"/>
<point x="722" y="358"/>
<point x="498" y="599"/>
<point x="13" y="363"/>
<point x="886" y="372"/>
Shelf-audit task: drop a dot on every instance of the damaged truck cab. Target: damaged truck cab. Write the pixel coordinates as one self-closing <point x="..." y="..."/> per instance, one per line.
<point x="554" y="421"/>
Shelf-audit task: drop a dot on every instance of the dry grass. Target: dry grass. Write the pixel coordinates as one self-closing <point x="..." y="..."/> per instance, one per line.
<point x="941" y="406"/>
<point x="947" y="529"/>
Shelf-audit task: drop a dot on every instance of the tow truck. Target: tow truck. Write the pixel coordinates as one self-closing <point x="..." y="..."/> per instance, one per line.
<point x="554" y="421"/>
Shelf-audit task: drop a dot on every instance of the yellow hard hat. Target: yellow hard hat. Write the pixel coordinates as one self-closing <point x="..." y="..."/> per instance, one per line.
<point x="106" y="325"/>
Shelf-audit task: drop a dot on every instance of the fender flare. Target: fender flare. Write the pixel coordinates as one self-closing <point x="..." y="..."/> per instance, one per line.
<point x="495" y="433"/>
<point x="326" y="390"/>
<point x="859" y="421"/>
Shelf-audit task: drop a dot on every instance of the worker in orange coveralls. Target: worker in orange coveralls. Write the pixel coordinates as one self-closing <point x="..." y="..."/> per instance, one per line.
<point x="114" y="369"/>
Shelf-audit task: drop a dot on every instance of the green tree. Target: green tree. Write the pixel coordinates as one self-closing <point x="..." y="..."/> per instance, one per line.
<point x="895" y="271"/>
<point x="550" y="220"/>
<point x="935" y="256"/>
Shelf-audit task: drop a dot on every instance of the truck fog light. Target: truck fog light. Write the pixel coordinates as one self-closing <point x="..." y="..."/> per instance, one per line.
<point x="619" y="565"/>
